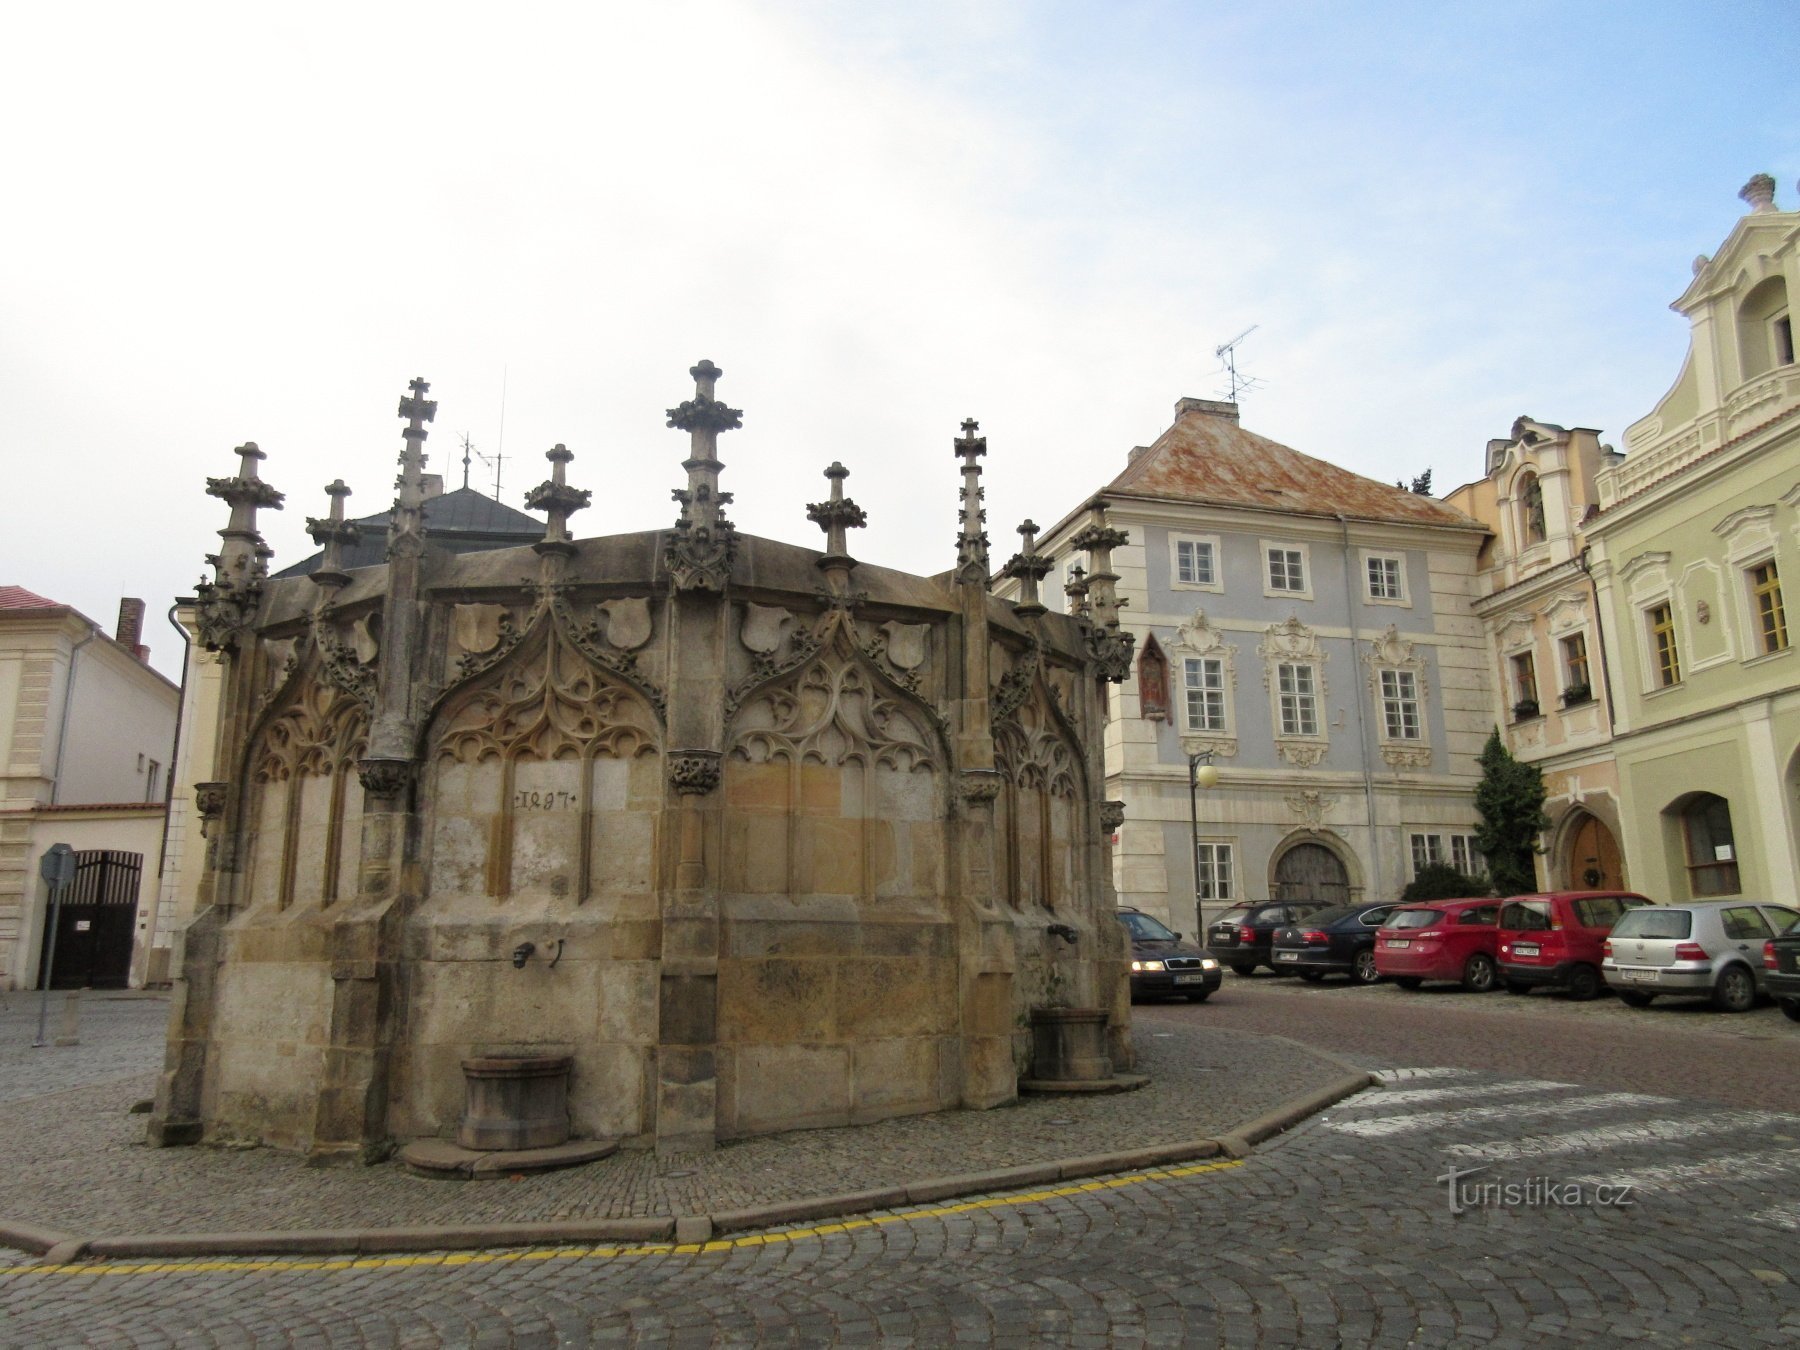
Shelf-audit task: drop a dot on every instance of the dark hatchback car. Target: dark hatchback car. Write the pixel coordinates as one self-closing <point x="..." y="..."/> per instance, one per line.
<point x="1781" y="970"/>
<point x="1240" y="936"/>
<point x="1164" y="964"/>
<point x="1337" y="941"/>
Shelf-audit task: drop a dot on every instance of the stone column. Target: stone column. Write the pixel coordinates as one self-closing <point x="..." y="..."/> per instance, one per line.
<point x="698" y="555"/>
<point x="225" y="610"/>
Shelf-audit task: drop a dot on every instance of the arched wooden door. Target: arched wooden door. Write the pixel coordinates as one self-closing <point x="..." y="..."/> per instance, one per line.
<point x="1311" y="872"/>
<point x="1593" y="862"/>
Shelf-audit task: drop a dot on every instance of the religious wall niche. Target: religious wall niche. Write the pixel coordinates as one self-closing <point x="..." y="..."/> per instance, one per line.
<point x="304" y="803"/>
<point x="833" y="777"/>
<point x="544" y="778"/>
<point x="1038" y="812"/>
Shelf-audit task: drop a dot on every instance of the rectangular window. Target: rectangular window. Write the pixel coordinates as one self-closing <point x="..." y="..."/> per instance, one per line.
<point x="1576" y="688"/>
<point x="1771" y="618"/>
<point x="1194" y="562"/>
<point x="1400" y="704"/>
<point x="1781" y="332"/>
<point x="1662" y="644"/>
<point x="1299" y="700"/>
<point x="1525" y="691"/>
<point x="1203" y="680"/>
<point x="1214" y="881"/>
<point x="1426" y="850"/>
<point x="152" y="778"/>
<point x="1384" y="579"/>
<point x="1465" y="857"/>
<point x="1287" y="570"/>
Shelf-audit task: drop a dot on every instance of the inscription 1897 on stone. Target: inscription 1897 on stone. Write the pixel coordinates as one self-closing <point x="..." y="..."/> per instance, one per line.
<point x="534" y="800"/>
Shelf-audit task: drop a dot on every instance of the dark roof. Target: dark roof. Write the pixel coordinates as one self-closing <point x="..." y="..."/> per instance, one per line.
<point x="1206" y="456"/>
<point x="463" y="521"/>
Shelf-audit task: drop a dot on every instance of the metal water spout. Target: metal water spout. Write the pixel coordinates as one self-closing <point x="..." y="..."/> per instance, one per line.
<point x="522" y="953"/>
<point x="1064" y="931"/>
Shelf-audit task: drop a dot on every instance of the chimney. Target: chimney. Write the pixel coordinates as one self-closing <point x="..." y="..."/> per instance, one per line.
<point x="1206" y="407"/>
<point x="431" y="485"/>
<point x="1760" y="193"/>
<point x="130" y="631"/>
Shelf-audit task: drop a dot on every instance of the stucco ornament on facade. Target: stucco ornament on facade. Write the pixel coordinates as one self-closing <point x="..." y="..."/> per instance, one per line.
<point x="1310" y="808"/>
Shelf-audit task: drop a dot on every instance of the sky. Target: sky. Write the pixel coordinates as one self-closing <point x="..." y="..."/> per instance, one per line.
<point x="235" y="222"/>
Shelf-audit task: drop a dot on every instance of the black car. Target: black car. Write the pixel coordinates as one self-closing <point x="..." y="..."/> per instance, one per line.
<point x="1163" y="964"/>
<point x="1781" y="970"/>
<point x="1339" y="941"/>
<point x="1240" y="936"/>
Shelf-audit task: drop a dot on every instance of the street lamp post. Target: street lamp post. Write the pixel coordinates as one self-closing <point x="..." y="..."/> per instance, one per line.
<point x="1201" y="774"/>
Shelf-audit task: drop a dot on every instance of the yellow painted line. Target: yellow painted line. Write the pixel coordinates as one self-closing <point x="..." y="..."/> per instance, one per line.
<point x="481" y="1258"/>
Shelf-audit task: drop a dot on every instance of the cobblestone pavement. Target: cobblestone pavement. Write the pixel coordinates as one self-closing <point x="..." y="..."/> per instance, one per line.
<point x="1341" y="1232"/>
<point x="77" y="1162"/>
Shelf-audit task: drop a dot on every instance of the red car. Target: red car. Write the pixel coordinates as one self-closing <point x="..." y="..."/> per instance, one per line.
<point x="1555" y="939"/>
<point x="1440" y="940"/>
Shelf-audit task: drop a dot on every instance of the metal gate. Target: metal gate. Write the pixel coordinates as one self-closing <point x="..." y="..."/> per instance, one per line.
<point x="1311" y="872"/>
<point x="95" y="928"/>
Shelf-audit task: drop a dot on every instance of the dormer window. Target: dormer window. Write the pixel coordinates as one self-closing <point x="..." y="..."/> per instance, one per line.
<point x="1765" y="329"/>
<point x="1531" y="507"/>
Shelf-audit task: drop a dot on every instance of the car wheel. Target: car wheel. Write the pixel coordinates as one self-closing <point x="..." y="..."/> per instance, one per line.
<point x="1584" y="984"/>
<point x="1635" y="998"/>
<point x="1199" y="997"/>
<point x="1245" y="969"/>
<point x="1409" y="981"/>
<point x="1736" y="990"/>
<point x="1791" y="1007"/>
<point x="1517" y="987"/>
<point x="1362" y="967"/>
<point x="1312" y="976"/>
<point x="1478" y="973"/>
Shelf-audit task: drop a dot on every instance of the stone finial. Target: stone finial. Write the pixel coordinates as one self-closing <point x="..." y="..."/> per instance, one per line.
<point x="1109" y="647"/>
<point x="1759" y="192"/>
<point x="228" y="599"/>
<point x="972" y="542"/>
<point x="559" y="500"/>
<point x="704" y="543"/>
<point x="333" y="534"/>
<point x="834" y="517"/>
<point x="406" y="527"/>
<point x="1076" y="589"/>
<point x="1030" y="567"/>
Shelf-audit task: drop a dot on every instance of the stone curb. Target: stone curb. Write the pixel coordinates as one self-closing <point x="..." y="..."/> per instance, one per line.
<point x="58" y="1248"/>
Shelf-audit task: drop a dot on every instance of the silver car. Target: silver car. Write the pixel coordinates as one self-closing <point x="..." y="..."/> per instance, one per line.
<point x="1706" y="948"/>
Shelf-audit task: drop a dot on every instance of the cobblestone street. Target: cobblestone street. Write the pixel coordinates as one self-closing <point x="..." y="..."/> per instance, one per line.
<point x="1340" y="1232"/>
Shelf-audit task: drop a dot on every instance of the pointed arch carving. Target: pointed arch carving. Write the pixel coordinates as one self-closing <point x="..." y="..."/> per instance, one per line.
<point x="301" y="772"/>
<point x="522" y="749"/>
<point x="835" y="777"/>
<point x="1043" y="796"/>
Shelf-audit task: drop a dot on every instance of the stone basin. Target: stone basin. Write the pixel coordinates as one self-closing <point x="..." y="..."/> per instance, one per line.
<point x="515" y="1101"/>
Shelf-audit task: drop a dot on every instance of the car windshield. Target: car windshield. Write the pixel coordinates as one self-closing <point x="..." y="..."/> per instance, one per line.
<point x="1145" y="929"/>
<point x="1526" y="915"/>
<point x="1319" y="918"/>
<point x="1655" y="923"/>
<point x="1236" y="914"/>
<point x="1413" y="918"/>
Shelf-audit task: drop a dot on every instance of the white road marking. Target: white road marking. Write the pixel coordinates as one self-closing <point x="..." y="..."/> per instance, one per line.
<point x="1475" y="1092"/>
<point x="1613" y="1136"/>
<point x="1426" y="1120"/>
<point x="1404" y="1075"/>
<point x="1726" y="1167"/>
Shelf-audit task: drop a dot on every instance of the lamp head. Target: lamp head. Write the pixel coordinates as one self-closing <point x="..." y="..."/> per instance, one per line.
<point x="1207" y="775"/>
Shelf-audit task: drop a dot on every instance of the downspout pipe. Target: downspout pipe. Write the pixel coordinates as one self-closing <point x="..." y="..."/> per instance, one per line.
<point x="62" y="731"/>
<point x="1376" y="890"/>
<point x="1581" y="561"/>
<point x="187" y="654"/>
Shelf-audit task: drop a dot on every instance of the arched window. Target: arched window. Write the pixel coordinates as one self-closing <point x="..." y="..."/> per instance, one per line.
<point x="1765" y="330"/>
<point x="1711" y="849"/>
<point x="1531" y="509"/>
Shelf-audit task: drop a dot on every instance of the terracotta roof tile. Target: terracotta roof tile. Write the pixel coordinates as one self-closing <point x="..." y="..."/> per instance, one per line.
<point x="17" y="597"/>
<point x="1207" y="456"/>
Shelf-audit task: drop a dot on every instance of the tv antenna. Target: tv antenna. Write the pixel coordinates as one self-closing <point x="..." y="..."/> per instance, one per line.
<point x="1227" y="353"/>
<point x="495" y="460"/>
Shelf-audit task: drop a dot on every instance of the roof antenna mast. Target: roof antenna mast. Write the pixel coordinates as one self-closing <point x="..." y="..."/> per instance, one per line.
<point x="1227" y="352"/>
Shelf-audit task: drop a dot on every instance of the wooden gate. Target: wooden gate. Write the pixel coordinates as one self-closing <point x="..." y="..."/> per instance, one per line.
<point x="1594" y="863"/>
<point x="94" y="930"/>
<point x="1311" y="872"/>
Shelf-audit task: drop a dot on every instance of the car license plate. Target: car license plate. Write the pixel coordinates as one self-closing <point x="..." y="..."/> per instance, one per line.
<point x="1287" y="956"/>
<point x="1641" y="976"/>
<point x="1525" y="949"/>
<point x="1190" y="979"/>
<point x="1399" y="942"/>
